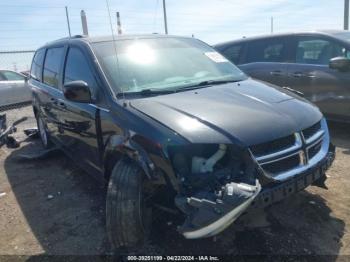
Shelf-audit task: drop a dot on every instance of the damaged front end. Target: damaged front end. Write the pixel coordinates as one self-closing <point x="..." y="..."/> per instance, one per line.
<point x="218" y="183"/>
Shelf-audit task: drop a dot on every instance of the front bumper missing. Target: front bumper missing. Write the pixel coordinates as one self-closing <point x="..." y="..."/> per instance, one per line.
<point x="206" y="218"/>
<point x="236" y="199"/>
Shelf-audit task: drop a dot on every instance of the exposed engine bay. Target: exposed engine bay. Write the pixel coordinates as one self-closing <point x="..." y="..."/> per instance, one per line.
<point x="218" y="183"/>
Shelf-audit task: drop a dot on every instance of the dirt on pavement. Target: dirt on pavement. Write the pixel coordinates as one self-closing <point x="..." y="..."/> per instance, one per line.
<point x="50" y="206"/>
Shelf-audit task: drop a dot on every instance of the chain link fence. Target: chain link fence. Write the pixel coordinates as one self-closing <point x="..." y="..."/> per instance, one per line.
<point x="18" y="61"/>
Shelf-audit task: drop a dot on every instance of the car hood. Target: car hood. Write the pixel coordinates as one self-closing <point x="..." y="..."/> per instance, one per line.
<point x="247" y="112"/>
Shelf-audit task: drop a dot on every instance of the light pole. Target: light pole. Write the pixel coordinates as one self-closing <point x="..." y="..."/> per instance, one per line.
<point x="84" y="22"/>
<point x="271" y="24"/>
<point x="165" y="19"/>
<point x="346" y="14"/>
<point x="67" y="16"/>
<point x="119" y="26"/>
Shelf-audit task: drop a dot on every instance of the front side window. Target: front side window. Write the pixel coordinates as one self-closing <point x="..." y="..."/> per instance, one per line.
<point x="271" y="50"/>
<point x="162" y="64"/>
<point x="12" y="76"/>
<point x="318" y="51"/>
<point x="37" y="65"/>
<point x="52" y="64"/>
<point x="233" y="53"/>
<point x="77" y="68"/>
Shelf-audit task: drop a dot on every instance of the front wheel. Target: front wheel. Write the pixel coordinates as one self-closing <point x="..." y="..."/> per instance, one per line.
<point x="44" y="136"/>
<point x="128" y="216"/>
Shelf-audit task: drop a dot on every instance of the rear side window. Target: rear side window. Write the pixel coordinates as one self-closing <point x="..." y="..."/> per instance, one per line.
<point x="52" y="65"/>
<point x="77" y="68"/>
<point x="271" y="50"/>
<point x="37" y="65"/>
<point x="233" y="53"/>
<point x="312" y="50"/>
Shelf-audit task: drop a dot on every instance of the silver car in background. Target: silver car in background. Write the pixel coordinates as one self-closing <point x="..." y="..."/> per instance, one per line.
<point x="13" y="88"/>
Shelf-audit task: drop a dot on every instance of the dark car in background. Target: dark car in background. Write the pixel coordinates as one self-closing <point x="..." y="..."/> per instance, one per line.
<point x="314" y="63"/>
<point x="169" y="118"/>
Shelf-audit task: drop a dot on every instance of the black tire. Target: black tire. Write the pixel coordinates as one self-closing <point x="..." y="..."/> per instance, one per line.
<point x="128" y="219"/>
<point x="42" y="129"/>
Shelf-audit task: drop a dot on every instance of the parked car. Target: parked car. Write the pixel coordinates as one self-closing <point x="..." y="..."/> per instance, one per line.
<point x="314" y="63"/>
<point x="152" y="114"/>
<point x="13" y="88"/>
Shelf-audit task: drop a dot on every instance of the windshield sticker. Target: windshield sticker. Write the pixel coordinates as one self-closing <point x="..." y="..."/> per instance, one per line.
<point x="216" y="57"/>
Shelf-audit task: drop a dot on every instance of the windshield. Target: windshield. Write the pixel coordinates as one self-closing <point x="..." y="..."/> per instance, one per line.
<point x="344" y="36"/>
<point x="162" y="64"/>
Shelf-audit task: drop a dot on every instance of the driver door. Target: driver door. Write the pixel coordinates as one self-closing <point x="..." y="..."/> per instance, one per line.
<point x="77" y="127"/>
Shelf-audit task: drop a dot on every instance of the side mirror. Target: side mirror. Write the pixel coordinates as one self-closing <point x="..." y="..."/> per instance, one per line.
<point x="340" y="63"/>
<point x="77" y="91"/>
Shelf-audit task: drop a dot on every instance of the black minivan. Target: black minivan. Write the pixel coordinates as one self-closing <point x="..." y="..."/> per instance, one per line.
<point x="167" y="121"/>
<point x="316" y="64"/>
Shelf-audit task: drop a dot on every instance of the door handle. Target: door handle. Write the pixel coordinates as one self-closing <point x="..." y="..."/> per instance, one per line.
<point x="61" y="103"/>
<point x="53" y="101"/>
<point x="310" y="75"/>
<point x="300" y="74"/>
<point x="297" y="74"/>
<point x="276" y="73"/>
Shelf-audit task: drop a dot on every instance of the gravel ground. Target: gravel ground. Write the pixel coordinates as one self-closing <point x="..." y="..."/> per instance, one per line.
<point x="52" y="207"/>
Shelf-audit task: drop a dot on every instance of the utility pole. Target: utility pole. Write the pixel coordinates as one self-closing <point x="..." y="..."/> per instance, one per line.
<point x="271" y="24"/>
<point x="165" y="19"/>
<point x="68" y="21"/>
<point x="346" y="14"/>
<point x="84" y="22"/>
<point x="119" y="27"/>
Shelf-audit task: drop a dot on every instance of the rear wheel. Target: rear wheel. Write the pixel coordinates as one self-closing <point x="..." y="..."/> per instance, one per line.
<point x="44" y="136"/>
<point x="128" y="215"/>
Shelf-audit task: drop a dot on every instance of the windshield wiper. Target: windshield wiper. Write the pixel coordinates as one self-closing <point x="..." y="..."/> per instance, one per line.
<point x="148" y="91"/>
<point x="206" y="83"/>
<point x="155" y="91"/>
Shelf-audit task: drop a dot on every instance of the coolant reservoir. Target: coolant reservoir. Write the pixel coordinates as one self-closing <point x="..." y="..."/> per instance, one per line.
<point x="202" y="165"/>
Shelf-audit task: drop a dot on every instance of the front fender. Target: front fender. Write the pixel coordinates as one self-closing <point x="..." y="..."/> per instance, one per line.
<point x="146" y="153"/>
<point x="123" y="145"/>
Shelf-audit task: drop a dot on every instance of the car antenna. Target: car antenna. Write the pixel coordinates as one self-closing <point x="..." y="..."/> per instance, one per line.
<point x="115" y="50"/>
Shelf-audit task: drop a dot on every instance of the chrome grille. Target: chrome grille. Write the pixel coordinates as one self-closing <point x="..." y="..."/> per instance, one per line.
<point x="282" y="165"/>
<point x="273" y="146"/>
<point x="312" y="130"/>
<point x="314" y="149"/>
<point x="287" y="156"/>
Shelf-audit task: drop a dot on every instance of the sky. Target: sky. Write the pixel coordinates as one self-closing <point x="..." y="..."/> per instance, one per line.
<point x="27" y="24"/>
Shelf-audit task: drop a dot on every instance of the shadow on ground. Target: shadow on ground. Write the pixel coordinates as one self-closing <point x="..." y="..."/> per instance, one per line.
<point x="72" y="221"/>
<point x="63" y="205"/>
<point x="340" y="134"/>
